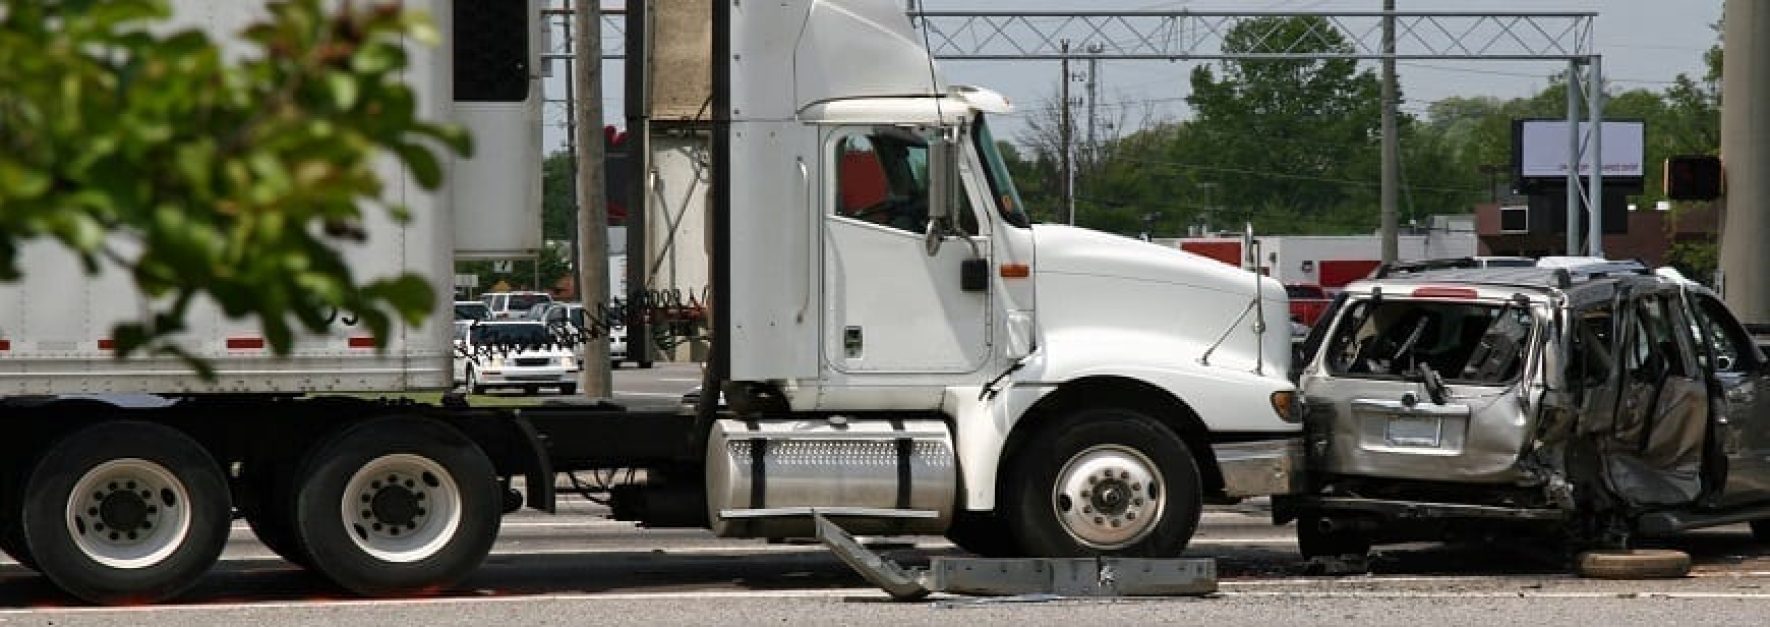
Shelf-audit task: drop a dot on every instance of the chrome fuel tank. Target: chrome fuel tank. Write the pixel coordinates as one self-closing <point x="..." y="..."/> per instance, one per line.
<point x="874" y="476"/>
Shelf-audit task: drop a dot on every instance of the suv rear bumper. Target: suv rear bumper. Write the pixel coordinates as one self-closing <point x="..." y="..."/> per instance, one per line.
<point x="1260" y="468"/>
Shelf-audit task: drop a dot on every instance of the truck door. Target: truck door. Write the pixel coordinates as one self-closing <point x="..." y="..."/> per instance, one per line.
<point x="1744" y="414"/>
<point x="888" y="305"/>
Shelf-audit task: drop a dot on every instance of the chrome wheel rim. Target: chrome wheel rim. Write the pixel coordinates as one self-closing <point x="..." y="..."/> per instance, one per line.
<point x="1109" y="496"/>
<point x="128" y="513"/>
<point x="401" y="508"/>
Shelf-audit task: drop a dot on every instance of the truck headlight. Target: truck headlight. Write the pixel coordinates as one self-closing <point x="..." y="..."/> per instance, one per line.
<point x="569" y="363"/>
<point x="1284" y="403"/>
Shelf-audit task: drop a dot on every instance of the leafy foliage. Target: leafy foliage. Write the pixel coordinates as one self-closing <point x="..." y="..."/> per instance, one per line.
<point x="207" y="177"/>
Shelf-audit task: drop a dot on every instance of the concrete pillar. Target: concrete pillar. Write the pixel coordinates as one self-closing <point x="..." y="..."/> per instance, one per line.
<point x="1745" y="155"/>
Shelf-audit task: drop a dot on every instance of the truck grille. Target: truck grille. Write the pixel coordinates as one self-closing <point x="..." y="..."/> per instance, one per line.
<point x="533" y="361"/>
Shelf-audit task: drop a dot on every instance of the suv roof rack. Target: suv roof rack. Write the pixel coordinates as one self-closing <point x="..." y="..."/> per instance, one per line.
<point x="1470" y="270"/>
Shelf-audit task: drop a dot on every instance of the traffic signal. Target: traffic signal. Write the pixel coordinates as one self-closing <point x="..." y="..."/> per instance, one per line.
<point x="1693" y="177"/>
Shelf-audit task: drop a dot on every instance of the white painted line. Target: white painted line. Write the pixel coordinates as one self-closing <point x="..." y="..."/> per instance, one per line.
<point x="447" y="601"/>
<point x="1386" y="579"/>
<point x="650" y="394"/>
<point x="1514" y="594"/>
<point x="530" y="524"/>
<point x="680" y="379"/>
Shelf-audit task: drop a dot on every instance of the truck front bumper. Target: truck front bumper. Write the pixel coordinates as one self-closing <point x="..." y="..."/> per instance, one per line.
<point x="1261" y="467"/>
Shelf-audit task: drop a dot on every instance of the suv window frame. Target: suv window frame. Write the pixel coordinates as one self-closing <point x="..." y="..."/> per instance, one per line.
<point x="1351" y="306"/>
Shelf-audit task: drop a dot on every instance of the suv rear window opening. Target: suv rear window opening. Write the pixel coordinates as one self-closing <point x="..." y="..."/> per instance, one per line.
<point x="1467" y="342"/>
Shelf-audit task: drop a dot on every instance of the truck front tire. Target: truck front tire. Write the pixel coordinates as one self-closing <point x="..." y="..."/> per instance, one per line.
<point x="126" y="512"/>
<point x="397" y="506"/>
<point x="1105" y="481"/>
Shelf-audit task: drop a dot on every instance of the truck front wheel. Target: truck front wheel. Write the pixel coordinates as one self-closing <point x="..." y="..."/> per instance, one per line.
<point x="1105" y="481"/>
<point x="126" y="512"/>
<point x="397" y="505"/>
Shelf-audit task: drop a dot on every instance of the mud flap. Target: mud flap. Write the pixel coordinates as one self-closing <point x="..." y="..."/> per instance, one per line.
<point x="1075" y="577"/>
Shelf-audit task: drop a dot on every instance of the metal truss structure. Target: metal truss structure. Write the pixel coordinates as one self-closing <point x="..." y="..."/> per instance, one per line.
<point x="1203" y="35"/>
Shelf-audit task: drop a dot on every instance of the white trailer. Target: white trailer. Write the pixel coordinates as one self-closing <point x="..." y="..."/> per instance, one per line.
<point x="903" y="352"/>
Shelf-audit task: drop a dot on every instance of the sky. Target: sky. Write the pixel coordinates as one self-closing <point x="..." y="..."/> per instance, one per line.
<point x="1644" y="44"/>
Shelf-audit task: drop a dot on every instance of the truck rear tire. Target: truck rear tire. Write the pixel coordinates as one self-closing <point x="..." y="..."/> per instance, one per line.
<point x="126" y="512"/>
<point x="1106" y="481"/>
<point x="1761" y="531"/>
<point x="397" y="505"/>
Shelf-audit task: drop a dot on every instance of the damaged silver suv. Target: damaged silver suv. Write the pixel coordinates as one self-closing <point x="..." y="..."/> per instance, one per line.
<point x="1591" y="405"/>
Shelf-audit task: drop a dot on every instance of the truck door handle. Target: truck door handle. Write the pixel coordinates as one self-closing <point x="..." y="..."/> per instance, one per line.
<point x="811" y="228"/>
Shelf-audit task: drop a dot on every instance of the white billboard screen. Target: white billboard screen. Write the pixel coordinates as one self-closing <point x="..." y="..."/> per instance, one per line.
<point x="1543" y="148"/>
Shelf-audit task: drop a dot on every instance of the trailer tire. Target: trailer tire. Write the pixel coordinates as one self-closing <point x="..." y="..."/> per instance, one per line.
<point x="568" y="389"/>
<point x="1103" y="481"/>
<point x="91" y="478"/>
<point x="431" y="523"/>
<point x="1761" y="531"/>
<point x="269" y="510"/>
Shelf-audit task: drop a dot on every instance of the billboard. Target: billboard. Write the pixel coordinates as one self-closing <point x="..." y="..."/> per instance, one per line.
<point x="1539" y="148"/>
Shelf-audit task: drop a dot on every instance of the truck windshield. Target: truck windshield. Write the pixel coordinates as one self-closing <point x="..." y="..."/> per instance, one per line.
<point x="1479" y="343"/>
<point x="525" y="302"/>
<point x="1001" y="184"/>
<point x="528" y="334"/>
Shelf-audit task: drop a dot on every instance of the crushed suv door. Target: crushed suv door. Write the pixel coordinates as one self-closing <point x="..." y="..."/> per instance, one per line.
<point x="1651" y="437"/>
<point x="1743" y="420"/>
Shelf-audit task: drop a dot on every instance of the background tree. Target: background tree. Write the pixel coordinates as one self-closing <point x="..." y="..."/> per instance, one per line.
<point x="208" y="178"/>
<point x="1281" y="138"/>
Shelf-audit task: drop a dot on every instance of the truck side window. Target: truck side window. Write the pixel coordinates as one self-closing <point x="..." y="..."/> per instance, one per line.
<point x="882" y="178"/>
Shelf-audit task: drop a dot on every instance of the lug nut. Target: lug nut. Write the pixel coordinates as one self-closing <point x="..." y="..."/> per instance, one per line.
<point x="1099" y="520"/>
<point x="1130" y="515"/>
<point x="1136" y="486"/>
<point x="1138" y="502"/>
<point x="1087" y="510"/>
<point x="1115" y="523"/>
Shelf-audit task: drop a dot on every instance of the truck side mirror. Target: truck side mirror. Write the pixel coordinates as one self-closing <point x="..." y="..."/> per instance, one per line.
<point x="943" y="187"/>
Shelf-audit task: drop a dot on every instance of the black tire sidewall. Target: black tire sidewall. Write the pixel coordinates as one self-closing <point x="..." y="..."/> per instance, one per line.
<point x="54" y="477"/>
<point x="1034" y="469"/>
<point x="328" y="468"/>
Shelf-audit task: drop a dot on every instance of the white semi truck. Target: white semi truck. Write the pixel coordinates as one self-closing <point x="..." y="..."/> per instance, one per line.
<point x="905" y="352"/>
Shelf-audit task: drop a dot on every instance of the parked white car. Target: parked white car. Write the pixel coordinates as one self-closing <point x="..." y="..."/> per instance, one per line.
<point x="570" y="316"/>
<point x="513" y="305"/>
<point x="514" y="355"/>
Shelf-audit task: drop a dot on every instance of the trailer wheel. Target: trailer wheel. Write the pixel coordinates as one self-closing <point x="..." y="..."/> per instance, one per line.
<point x="12" y="533"/>
<point x="1761" y="531"/>
<point x="568" y="389"/>
<point x="126" y="512"/>
<point x="269" y="510"/>
<point x="397" y="506"/>
<point x="1105" y="481"/>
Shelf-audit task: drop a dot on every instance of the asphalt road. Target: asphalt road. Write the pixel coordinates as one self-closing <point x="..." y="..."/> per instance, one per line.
<point x="578" y="568"/>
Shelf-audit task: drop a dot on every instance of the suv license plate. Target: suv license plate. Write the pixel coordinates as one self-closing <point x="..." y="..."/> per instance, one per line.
<point x="1414" y="431"/>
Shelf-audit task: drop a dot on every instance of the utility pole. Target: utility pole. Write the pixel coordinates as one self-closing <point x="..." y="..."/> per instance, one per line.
<point x="1064" y="125"/>
<point x="1093" y="144"/>
<point x="592" y="197"/>
<point x="1391" y="152"/>
<point x="1745" y="150"/>
<point x="571" y="138"/>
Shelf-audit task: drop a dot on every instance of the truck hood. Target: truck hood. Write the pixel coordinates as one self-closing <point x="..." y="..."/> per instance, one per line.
<point x="1075" y="251"/>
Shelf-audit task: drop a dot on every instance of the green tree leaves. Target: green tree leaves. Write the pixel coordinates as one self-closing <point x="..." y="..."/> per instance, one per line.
<point x="234" y="181"/>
